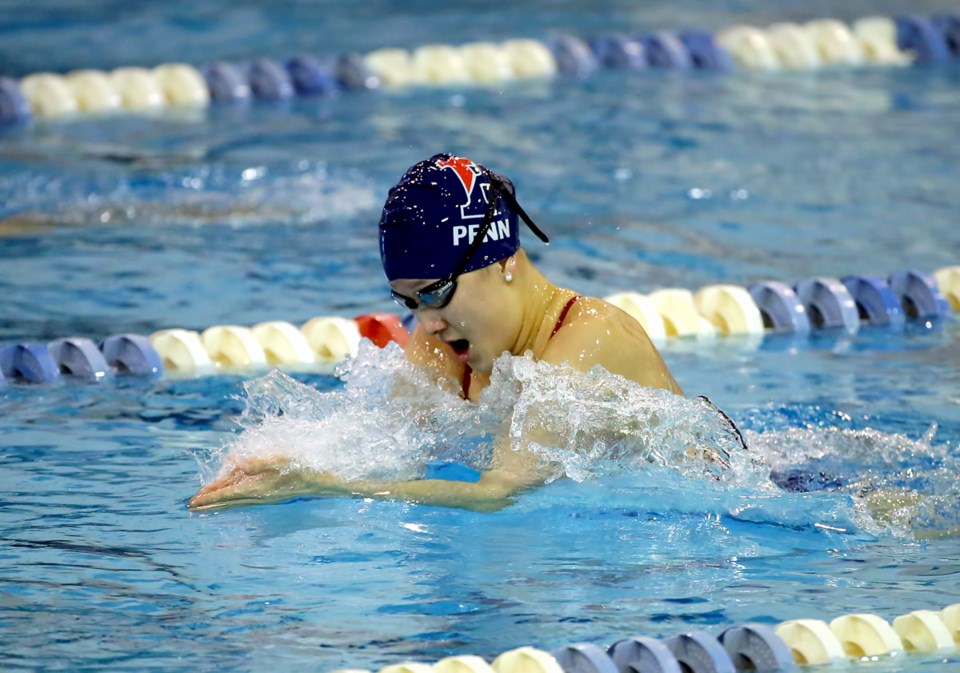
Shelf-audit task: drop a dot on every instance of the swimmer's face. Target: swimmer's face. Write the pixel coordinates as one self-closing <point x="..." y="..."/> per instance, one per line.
<point x="478" y="323"/>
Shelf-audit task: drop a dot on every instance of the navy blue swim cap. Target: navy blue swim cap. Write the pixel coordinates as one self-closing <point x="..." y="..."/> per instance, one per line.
<point x="434" y="213"/>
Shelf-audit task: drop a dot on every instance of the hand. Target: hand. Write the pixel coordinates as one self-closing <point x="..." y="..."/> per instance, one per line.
<point x="261" y="480"/>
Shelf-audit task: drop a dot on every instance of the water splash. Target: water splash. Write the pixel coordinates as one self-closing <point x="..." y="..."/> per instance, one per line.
<point x="900" y="486"/>
<point x="599" y="423"/>
<point x="391" y="419"/>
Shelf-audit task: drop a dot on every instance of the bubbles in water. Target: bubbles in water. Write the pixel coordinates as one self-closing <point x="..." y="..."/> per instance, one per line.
<point x="391" y="419"/>
<point x="900" y="486"/>
<point x="386" y="424"/>
<point x="598" y="423"/>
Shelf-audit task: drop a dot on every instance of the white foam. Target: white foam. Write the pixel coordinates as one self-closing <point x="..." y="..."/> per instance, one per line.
<point x="363" y="431"/>
<point x="599" y="423"/>
<point x="391" y="419"/>
<point x="898" y="485"/>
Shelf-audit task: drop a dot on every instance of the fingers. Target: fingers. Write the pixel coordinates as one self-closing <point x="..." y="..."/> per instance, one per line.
<point x="250" y="480"/>
<point x="228" y="490"/>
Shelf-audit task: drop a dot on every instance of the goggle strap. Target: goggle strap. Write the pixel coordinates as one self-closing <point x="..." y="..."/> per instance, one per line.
<point x="526" y="218"/>
<point x="499" y="188"/>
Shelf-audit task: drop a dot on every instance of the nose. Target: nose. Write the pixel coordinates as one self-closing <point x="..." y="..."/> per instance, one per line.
<point x="431" y="320"/>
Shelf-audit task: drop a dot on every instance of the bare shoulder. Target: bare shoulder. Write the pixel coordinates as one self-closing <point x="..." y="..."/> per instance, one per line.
<point x="595" y="332"/>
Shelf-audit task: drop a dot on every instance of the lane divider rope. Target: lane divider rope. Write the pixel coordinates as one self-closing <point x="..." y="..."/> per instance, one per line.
<point x="762" y="309"/>
<point x="821" y="43"/>
<point x="746" y="647"/>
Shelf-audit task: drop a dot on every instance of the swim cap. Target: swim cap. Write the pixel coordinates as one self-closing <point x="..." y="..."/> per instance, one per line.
<point x="433" y="214"/>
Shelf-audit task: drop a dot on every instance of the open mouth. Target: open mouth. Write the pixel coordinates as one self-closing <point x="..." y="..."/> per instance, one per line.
<point x="460" y="346"/>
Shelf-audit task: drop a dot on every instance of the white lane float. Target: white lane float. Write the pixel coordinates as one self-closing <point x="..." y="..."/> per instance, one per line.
<point x="332" y="339"/>
<point x="49" y="95"/>
<point x="182" y="85"/>
<point x="643" y="310"/>
<point x="233" y="346"/>
<point x="283" y="343"/>
<point x="181" y="350"/>
<point x="138" y="88"/>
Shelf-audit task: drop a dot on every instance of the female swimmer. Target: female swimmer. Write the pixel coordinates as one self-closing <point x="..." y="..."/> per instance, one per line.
<point x="450" y="247"/>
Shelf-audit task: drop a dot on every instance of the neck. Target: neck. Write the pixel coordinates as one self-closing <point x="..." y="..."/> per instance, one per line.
<point x="542" y="303"/>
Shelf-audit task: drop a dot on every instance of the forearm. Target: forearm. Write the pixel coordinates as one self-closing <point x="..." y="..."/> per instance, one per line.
<point x="257" y="483"/>
<point x="492" y="492"/>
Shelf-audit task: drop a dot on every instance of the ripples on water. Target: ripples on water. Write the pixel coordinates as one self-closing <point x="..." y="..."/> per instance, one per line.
<point x="643" y="180"/>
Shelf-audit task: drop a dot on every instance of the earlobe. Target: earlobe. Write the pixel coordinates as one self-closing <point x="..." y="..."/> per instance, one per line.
<point x="509" y="265"/>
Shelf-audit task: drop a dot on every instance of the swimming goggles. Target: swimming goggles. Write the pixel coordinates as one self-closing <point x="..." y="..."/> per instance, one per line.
<point x="437" y="295"/>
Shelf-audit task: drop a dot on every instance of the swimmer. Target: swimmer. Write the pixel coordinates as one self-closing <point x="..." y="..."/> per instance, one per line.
<point x="450" y="247"/>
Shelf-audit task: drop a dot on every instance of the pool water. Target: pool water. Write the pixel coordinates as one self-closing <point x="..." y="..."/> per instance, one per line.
<point x="642" y="180"/>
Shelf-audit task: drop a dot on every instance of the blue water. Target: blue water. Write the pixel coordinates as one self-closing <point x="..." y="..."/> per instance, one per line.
<point x="643" y="181"/>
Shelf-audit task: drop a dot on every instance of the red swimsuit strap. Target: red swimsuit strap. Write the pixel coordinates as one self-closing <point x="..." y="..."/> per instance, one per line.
<point x="563" y="315"/>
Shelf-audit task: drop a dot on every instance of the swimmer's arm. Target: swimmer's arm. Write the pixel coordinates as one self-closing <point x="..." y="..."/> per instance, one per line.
<point x="493" y="491"/>
<point x="274" y="479"/>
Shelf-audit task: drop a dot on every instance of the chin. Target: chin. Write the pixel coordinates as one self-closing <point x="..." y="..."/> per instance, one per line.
<point x="481" y="364"/>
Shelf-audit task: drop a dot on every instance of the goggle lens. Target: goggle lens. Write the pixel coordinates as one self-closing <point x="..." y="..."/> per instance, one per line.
<point x="435" y="295"/>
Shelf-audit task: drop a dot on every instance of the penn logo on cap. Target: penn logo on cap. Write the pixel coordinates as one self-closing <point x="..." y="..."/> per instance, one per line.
<point x="474" y="207"/>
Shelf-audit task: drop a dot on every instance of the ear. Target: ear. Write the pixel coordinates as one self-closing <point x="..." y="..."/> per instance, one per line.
<point x="509" y="264"/>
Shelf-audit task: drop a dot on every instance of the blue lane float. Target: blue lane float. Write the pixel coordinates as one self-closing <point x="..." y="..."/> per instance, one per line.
<point x="665" y="50"/>
<point x="619" y="52"/>
<point x="755" y="647"/>
<point x="584" y="658"/>
<point x="227" y="82"/>
<point x="829" y="304"/>
<point x="699" y="652"/>
<point x="705" y="53"/>
<point x="949" y="27"/>
<point x="353" y="74"/>
<point x="312" y="77"/>
<point x="79" y="357"/>
<point x="919" y="35"/>
<point x="919" y="294"/>
<point x="875" y="299"/>
<point x="645" y="654"/>
<point x="14" y="107"/>
<point x="28" y="362"/>
<point x="132" y="354"/>
<point x="409" y="321"/>
<point x="270" y="81"/>
<point x="573" y="56"/>
<point x="780" y="307"/>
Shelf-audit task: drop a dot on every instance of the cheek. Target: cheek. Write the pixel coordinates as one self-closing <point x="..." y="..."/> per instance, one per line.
<point x="496" y="332"/>
<point x="476" y="322"/>
<point x="481" y="318"/>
